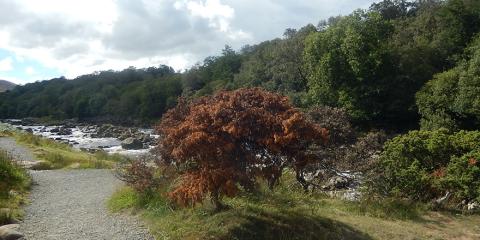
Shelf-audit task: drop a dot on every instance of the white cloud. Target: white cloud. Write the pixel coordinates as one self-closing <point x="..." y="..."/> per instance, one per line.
<point x="6" y="64"/>
<point x="30" y="71"/>
<point x="79" y="37"/>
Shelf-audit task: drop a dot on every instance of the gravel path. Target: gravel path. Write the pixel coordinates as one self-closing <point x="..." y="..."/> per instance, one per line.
<point x="23" y="155"/>
<point x="71" y="204"/>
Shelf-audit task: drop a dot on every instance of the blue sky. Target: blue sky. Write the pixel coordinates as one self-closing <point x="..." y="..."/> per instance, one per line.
<point x="50" y="38"/>
<point x="22" y="70"/>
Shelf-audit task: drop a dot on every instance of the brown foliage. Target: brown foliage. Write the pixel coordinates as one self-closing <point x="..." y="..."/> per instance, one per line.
<point x="230" y="139"/>
<point x="137" y="174"/>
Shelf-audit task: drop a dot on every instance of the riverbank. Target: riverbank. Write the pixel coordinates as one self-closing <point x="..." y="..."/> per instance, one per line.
<point x="112" y="139"/>
<point x="289" y="213"/>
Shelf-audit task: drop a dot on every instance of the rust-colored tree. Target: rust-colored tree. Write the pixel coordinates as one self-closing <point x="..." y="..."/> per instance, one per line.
<point x="229" y="140"/>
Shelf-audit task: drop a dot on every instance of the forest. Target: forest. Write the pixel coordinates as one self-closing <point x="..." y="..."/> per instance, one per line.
<point x="397" y="65"/>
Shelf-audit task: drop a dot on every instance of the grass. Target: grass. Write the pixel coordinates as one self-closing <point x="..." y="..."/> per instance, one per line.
<point x="56" y="155"/>
<point x="288" y="213"/>
<point x="13" y="188"/>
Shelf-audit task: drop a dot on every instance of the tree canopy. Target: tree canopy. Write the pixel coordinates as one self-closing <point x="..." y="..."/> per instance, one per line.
<point x="371" y="63"/>
<point x="232" y="138"/>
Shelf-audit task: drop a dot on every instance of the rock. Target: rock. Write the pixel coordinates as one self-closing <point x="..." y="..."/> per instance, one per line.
<point x="473" y="207"/>
<point x="11" y="226"/>
<point x="64" y="131"/>
<point x="132" y="144"/>
<point x="337" y="182"/>
<point x="29" y="130"/>
<point x="8" y="232"/>
<point x="55" y="130"/>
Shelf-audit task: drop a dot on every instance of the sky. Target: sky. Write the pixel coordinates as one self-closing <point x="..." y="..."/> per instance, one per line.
<point x="44" y="39"/>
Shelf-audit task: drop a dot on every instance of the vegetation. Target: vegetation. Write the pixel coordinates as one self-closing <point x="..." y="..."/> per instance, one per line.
<point x="212" y="140"/>
<point x="426" y="165"/>
<point x="140" y="94"/>
<point x="386" y="71"/>
<point x="451" y="99"/>
<point x="289" y="213"/>
<point x="13" y="186"/>
<point x="370" y="63"/>
<point x="56" y="155"/>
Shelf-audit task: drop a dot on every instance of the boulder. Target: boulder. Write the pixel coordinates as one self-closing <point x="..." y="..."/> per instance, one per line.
<point x="64" y="131"/>
<point x="473" y="207"/>
<point x="8" y="232"/>
<point x="337" y="182"/>
<point x="132" y="144"/>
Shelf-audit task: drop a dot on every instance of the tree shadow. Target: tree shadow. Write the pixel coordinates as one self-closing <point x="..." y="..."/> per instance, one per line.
<point x="259" y="224"/>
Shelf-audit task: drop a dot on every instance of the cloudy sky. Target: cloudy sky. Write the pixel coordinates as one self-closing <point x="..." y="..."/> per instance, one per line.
<point x="50" y="38"/>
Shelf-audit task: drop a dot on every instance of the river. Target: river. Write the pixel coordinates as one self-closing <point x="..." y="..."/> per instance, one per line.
<point x="83" y="138"/>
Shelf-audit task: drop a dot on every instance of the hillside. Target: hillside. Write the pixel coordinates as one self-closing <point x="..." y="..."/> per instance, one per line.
<point x="6" y="85"/>
<point x="372" y="63"/>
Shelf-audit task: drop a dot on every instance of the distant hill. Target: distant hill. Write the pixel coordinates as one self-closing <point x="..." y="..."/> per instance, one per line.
<point x="6" y="85"/>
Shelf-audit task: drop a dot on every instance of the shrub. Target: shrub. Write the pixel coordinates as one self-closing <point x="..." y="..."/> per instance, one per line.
<point x="230" y="139"/>
<point x="346" y="149"/>
<point x="137" y="174"/>
<point x="12" y="175"/>
<point x="462" y="177"/>
<point x="426" y="165"/>
<point x="14" y="182"/>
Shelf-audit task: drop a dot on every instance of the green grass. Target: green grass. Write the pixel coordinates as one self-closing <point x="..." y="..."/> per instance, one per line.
<point x="288" y="213"/>
<point x="56" y="155"/>
<point x="13" y="187"/>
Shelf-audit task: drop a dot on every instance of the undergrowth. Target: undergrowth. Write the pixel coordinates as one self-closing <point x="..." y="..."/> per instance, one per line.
<point x="13" y="186"/>
<point x="56" y="155"/>
<point x="289" y="213"/>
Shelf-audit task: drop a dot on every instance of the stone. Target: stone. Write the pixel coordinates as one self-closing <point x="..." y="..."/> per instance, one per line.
<point x="132" y="144"/>
<point x="337" y="182"/>
<point x="8" y="232"/>
<point x="64" y="131"/>
<point x="473" y="206"/>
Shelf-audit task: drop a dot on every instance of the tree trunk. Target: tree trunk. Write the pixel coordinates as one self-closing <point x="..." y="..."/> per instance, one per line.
<point x="216" y="201"/>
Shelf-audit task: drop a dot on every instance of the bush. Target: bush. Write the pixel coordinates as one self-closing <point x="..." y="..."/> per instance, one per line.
<point x="426" y="165"/>
<point x="12" y="175"/>
<point x="231" y="139"/>
<point x="462" y="177"/>
<point x="14" y="182"/>
<point x="346" y="149"/>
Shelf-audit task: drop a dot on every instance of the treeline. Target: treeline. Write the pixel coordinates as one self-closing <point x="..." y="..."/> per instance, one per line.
<point x="388" y="67"/>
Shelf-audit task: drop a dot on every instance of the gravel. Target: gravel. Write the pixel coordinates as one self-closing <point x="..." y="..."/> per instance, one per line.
<point x="22" y="154"/>
<point x="71" y="205"/>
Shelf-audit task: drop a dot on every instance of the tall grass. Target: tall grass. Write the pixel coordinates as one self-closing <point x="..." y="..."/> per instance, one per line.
<point x="13" y="185"/>
<point x="58" y="155"/>
<point x="285" y="213"/>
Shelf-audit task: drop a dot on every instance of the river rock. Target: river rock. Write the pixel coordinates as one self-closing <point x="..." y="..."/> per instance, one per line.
<point x="473" y="207"/>
<point x="337" y="182"/>
<point x="8" y="232"/>
<point x="64" y="131"/>
<point x="132" y="144"/>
